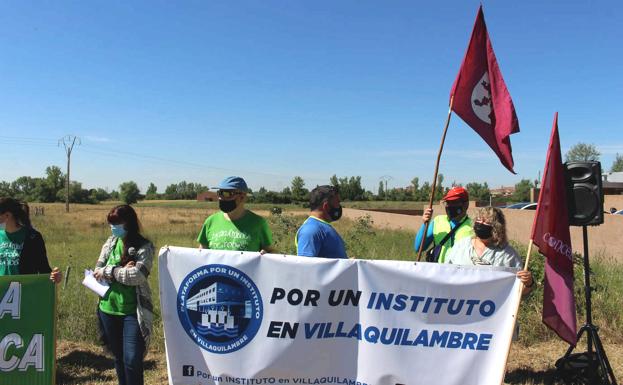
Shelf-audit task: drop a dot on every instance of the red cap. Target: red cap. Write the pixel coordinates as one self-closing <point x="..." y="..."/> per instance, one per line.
<point x="456" y="193"/>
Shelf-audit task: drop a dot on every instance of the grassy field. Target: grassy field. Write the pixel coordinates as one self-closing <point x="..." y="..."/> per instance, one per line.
<point x="74" y="239"/>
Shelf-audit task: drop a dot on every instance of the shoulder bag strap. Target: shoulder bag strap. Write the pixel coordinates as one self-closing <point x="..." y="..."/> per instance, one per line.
<point x="445" y="239"/>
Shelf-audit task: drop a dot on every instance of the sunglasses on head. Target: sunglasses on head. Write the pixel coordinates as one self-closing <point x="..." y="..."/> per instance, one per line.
<point x="227" y="193"/>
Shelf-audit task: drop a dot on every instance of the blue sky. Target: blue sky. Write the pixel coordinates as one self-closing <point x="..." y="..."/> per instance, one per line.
<point x="164" y="91"/>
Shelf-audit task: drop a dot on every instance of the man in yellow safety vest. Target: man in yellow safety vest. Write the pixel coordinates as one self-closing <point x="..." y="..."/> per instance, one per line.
<point x="446" y="229"/>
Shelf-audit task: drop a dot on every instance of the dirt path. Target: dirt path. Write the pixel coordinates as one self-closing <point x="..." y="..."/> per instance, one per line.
<point x="387" y="220"/>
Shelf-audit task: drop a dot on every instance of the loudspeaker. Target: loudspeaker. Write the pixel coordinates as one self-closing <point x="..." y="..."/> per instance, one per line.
<point x="585" y="197"/>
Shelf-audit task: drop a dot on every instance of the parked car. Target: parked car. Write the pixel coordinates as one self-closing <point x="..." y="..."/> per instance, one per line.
<point x="517" y="206"/>
<point x="530" y="206"/>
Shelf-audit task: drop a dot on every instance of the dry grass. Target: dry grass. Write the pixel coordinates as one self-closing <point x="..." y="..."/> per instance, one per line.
<point x="81" y="363"/>
<point x="87" y="364"/>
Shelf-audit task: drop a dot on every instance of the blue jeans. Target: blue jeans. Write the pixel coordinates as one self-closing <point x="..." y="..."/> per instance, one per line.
<point x="125" y="340"/>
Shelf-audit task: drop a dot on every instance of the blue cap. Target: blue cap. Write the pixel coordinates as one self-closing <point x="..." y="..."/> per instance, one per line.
<point x="233" y="183"/>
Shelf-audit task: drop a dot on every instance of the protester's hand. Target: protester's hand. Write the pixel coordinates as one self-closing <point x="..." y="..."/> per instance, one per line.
<point x="526" y="278"/>
<point x="56" y="276"/>
<point x="268" y="250"/>
<point x="428" y="213"/>
<point x="99" y="273"/>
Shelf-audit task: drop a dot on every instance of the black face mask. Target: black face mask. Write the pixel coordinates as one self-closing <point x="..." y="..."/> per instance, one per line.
<point x="454" y="212"/>
<point x="483" y="231"/>
<point x="335" y="213"/>
<point x="227" y="206"/>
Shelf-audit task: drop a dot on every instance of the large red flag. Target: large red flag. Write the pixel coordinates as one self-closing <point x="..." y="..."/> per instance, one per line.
<point x="550" y="233"/>
<point x="480" y="95"/>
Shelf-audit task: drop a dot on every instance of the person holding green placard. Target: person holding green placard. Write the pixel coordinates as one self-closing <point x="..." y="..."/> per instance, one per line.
<point x="126" y="311"/>
<point x="22" y="249"/>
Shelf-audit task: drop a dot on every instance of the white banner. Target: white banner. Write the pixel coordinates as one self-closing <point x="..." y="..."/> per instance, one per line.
<point x="241" y="318"/>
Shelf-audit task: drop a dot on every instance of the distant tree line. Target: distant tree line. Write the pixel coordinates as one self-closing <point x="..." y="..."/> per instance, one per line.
<point x="51" y="188"/>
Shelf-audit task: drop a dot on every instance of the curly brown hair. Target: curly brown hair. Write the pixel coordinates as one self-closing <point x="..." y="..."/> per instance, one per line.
<point x="494" y="217"/>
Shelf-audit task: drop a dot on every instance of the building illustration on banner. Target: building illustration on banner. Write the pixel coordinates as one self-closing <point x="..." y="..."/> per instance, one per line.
<point x="219" y="307"/>
<point x="222" y="307"/>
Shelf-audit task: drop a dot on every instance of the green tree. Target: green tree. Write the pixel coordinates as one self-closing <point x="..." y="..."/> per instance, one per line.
<point x="425" y="192"/>
<point x="439" y="190"/>
<point x="171" y="191"/>
<point x="184" y="190"/>
<point x="259" y="196"/>
<point x="23" y="188"/>
<point x="129" y="192"/>
<point x="286" y="192"/>
<point x="381" y="192"/>
<point x="299" y="192"/>
<point x="478" y="191"/>
<point x="54" y="178"/>
<point x="42" y="191"/>
<point x="415" y="186"/>
<point x="152" y="189"/>
<point x="5" y="189"/>
<point x="76" y="194"/>
<point x="152" y="192"/>
<point x="522" y="190"/>
<point x="617" y="165"/>
<point x="582" y="152"/>
<point x="99" y="194"/>
<point x="357" y="192"/>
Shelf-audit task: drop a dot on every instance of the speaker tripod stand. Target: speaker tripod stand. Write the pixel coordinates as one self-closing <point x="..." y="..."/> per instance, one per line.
<point x="592" y="365"/>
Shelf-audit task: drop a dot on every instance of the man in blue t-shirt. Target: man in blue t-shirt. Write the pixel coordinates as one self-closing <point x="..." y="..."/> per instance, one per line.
<point x="316" y="237"/>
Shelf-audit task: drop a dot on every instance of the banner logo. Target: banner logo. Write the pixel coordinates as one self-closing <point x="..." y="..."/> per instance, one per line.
<point x="481" y="99"/>
<point x="220" y="308"/>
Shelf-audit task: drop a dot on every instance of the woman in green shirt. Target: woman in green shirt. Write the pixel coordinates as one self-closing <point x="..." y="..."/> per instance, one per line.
<point x="22" y="250"/>
<point x="126" y="311"/>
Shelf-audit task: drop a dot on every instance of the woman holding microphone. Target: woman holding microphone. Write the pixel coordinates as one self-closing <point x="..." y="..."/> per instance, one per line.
<point x="126" y="311"/>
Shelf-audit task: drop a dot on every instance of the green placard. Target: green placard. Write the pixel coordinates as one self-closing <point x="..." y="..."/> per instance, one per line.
<point x="27" y="330"/>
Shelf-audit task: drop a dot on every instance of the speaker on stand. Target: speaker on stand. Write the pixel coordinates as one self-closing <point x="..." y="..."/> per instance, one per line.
<point x="585" y="201"/>
<point x="585" y="194"/>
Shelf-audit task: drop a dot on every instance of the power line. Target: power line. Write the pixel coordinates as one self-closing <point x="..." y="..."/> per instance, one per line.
<point x="14" y="140"/>
<point x="91" y="149"/>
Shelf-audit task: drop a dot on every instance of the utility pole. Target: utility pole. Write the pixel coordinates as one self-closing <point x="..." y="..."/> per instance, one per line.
<point x="385" y="178"/>
<point x="68" y="142"/>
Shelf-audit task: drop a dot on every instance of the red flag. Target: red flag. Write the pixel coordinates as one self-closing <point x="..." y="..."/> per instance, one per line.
<point x="480" y="95"/>
<point x="550" y="233"/>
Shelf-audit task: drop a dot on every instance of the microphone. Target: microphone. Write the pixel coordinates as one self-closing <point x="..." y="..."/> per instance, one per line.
<point x="132" y="254"/>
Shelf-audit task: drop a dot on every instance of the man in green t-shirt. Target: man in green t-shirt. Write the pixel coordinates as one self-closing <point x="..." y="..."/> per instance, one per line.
<point x="234" y="227"/>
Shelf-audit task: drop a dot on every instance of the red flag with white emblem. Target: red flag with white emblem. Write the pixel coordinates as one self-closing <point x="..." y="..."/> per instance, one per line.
<point x="550" y="233"/>
<point x="481" y="98"/>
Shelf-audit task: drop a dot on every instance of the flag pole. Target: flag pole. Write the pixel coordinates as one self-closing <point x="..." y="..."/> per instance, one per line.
<point x="521" y="286"/>
<point x="525" y="266"/>
<point x="432" y="194"/>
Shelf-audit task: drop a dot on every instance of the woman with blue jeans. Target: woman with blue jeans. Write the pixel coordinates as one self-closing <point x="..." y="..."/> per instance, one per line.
<point x="126" y="311"/>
